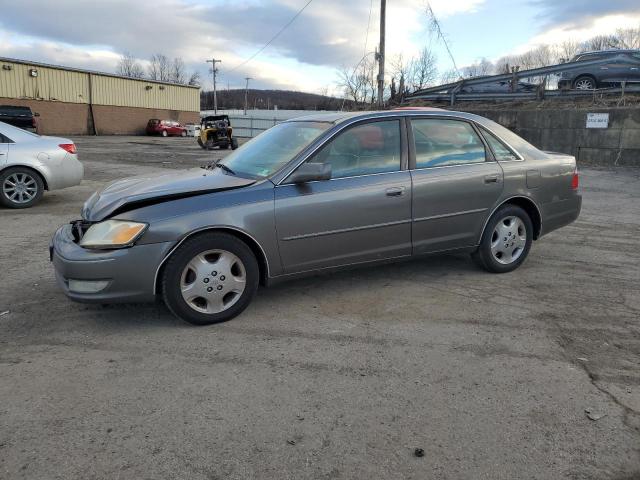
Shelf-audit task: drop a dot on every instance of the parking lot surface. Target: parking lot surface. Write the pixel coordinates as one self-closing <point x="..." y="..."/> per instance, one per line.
<point x="338" y="376"/>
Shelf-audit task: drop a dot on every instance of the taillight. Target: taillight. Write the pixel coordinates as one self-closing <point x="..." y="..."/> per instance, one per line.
<point x="575" y="181"/>
<point x="33" y="122"/>
<point x="69" y="147"/>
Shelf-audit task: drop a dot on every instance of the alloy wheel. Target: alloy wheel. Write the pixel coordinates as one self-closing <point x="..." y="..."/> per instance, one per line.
<point x="584" y="84"/>
<point x="213" y="281"/>
<point x="20" y="188"/>
<point x="508" y="240"/>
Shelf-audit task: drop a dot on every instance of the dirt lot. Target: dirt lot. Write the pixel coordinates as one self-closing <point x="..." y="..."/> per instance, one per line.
<point x="338" y="376"/>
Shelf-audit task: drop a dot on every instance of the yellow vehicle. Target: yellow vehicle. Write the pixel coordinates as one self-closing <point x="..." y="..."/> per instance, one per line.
<point x="216" y="131"/>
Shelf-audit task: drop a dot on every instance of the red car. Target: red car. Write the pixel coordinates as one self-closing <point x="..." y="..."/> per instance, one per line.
<point x="165" y="128"/>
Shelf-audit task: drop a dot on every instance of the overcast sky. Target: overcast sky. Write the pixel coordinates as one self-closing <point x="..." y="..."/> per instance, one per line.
<point x="327" y="35"/>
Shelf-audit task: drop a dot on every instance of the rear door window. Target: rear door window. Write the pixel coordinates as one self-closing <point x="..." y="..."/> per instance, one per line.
<point x="501" y="152"/>
<point x="443" y="142"/>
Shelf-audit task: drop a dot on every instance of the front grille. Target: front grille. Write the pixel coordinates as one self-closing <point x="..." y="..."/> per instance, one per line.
<point x="79" y="228"/>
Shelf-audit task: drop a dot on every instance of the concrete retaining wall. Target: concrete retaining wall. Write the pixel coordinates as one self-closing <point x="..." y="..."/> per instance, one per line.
<point x="564" y="130"/>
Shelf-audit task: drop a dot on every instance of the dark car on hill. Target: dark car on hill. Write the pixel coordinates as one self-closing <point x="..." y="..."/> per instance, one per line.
<point x="19" y="116"/>
<point x="624" y="66"/>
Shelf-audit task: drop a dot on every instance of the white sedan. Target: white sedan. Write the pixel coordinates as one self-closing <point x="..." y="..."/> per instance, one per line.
<point x="31" y="164"/>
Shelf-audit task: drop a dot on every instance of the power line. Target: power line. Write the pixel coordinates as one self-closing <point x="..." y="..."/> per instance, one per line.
<point x="272" y="38"/>
<point x="366" y="38"/>
<point x="436" y="26"/>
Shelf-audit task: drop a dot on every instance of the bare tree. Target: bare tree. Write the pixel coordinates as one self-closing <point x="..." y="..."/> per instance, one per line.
<point x="478" y="69"/>
<point x="449" y="76"/>
<point x="353" y="82"/>
<point x="194" y="79"/>
<point x="177" y="71"/>
<point x="628" y="37"/>
<point x="601" y="42"/>
<point x="128" y="66"/>
<point x="401" y="70"/>
<point x="159" y="68"/>
<point x="423" y="69"/>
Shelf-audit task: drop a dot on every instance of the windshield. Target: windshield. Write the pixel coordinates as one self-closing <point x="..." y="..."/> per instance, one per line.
<point x="271" y="150"/>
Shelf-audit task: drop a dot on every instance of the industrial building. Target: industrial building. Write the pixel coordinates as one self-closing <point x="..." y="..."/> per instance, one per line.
<point x="80" y="102"/>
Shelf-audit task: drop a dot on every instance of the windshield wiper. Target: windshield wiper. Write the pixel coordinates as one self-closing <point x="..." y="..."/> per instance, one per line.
<point x="225" y="168"/>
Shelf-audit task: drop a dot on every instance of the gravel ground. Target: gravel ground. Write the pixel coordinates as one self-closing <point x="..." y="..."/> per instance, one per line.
<point x="338" y="376"/>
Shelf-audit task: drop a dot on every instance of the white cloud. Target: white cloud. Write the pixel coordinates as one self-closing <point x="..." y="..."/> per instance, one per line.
<point x="604" y="25"/>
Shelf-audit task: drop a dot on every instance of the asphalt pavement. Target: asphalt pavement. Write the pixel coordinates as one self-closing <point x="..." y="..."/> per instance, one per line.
<point x="528" y="375"/>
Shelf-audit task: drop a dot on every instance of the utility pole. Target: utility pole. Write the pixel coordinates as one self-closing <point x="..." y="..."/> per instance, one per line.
<point x="214" y="71"/>
<point x="246" y="90"/>
<point x="380" y="55"/>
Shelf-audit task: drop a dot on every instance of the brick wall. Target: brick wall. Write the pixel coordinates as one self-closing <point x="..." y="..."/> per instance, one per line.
<point x="59" y="118"/>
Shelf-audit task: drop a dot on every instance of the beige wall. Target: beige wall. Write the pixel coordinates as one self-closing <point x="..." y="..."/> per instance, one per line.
<point x="58" y="84"/>
<point x="60" y="118"/>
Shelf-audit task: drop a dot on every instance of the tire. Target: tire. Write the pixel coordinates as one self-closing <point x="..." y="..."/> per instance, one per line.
<point x="202" y="145"/>
<point x="506" y="240"/>
<point x="184" y="133"/>
<point x="229" y="273"/>
<point x="234" y="143"/>
<point x="164" y="133"/>
<point x="584" y="83"/>
<point x="30" y="183"/>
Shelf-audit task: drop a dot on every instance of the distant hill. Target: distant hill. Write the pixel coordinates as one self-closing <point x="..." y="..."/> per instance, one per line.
<point x="284" y="99"/>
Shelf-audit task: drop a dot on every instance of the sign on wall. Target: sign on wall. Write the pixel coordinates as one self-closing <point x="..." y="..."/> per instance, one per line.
<point x="597" y="120"/>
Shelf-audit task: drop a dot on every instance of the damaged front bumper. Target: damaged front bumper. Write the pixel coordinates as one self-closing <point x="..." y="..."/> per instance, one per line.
<point x="105" y="276"/>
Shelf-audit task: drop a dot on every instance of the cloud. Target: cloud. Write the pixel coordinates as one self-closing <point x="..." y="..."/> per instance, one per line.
<point x="327" y="35"/>
<point x="580" y="13"/>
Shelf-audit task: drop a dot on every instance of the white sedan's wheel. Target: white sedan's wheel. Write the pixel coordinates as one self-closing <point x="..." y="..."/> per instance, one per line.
<point x="21" y="187"/>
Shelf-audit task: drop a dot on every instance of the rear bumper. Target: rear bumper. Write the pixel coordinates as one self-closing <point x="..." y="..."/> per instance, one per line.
<point x="129" y="272"/>
<point x="559" y="214"/>
<point x="62" y="174"/>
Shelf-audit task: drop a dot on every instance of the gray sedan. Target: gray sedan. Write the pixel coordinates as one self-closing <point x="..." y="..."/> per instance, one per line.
<point x="31" y="164"/>
<point x="317" y="193"/>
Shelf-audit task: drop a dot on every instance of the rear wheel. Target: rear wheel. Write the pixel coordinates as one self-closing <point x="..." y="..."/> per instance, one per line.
<point x="506" y="240"/>
<point x="21" y="187"/>
<point x="210" y="278"/>
<point x="164" y="133"/>
<point x="584" y="83"/>
<point x="234" y="143"/>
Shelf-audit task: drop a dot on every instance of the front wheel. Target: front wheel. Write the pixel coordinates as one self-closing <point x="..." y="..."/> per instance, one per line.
<point x="234" y="143"/>
<point x="506" y="240"/>
<point x="164" y="133"/>
<point x="21" y="187"/>
<point x="584" y="83"/>
<point x="210" y="278"/>
<point x="184" y="133"/>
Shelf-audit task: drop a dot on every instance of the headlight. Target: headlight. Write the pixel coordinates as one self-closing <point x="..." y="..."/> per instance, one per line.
<point x="112" y="234"/>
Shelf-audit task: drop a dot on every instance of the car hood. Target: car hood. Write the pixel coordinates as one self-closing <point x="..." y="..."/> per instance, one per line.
<point x="134" y="192"/>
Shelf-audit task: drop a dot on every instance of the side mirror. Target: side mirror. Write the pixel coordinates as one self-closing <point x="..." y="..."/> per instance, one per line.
<point x="309" y="172"/>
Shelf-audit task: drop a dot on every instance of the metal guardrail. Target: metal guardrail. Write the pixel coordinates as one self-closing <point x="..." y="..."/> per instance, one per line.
<point x="451" y="90"/>
<point x="529" y="95"/>
<point x="249" y="127"/>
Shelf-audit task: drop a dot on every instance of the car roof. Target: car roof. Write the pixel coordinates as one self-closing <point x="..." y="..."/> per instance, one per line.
<point x="339" y="117"/>
<point x="608" y="52"/>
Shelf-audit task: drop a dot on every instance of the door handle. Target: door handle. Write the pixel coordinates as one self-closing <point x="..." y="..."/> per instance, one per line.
<point x="395" y="192"/>
<point x="491" y="179"/>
